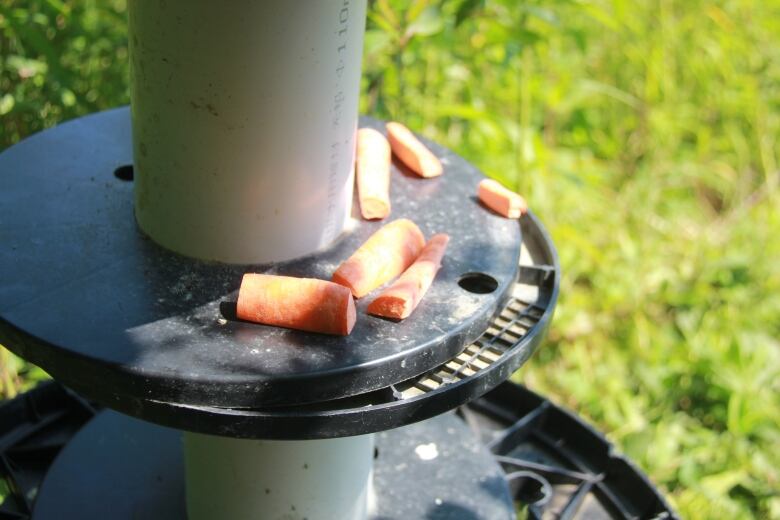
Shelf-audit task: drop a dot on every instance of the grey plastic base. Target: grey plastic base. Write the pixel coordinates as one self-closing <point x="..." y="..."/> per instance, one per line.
<point x="122" y="468"/>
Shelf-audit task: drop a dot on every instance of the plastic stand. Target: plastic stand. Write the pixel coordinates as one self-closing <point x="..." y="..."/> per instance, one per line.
<point x="150" y="333"/>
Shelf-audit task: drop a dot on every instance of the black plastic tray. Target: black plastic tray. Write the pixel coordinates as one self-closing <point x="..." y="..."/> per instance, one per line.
<point x="556" y="465"/>
<point x="508" y="341"/>
<point x="89" y="298"/>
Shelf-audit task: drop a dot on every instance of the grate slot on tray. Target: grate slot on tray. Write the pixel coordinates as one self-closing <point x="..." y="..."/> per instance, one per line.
<point x="504" y="333"/>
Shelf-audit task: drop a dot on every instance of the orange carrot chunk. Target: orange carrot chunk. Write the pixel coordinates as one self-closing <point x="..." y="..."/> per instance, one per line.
<point x="412" y="152"/>
<point x="385" y="255"/>
<point x="501" y="200"/>
<point x="373" y="174"/>
<point x="400" y="299"/>
<point x="296" y="303"/>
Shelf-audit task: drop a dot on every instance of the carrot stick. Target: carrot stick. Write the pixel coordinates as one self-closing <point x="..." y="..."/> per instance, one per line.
<point x="412" y="152"/>
<point x="400" y="299"/>
<point x="501" y="200"/>
<point x="296" y="303"/>
<point x="373" y="174"/>
<point x="385" y="255"/>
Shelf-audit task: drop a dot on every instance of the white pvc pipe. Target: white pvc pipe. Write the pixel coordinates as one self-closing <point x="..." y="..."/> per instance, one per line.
<point x="244" y="118"/>
<point x="249" y="479"/>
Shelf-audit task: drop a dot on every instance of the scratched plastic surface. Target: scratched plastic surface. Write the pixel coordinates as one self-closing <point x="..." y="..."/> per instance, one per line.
<point x="85" y="295"/>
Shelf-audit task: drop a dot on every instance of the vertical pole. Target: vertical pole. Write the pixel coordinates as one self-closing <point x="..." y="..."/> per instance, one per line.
<point x="244" y="119"/>
<point x="248" y="479"/>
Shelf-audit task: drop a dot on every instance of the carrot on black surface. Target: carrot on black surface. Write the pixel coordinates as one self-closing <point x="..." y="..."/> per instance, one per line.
<point x="385" y="255"/>
<point x="372" y="166"/>
<point x="402" y="297"/>
<point x="501" y="200"/>
<point x="296" y="303"/>
<point x="412" y="152"/>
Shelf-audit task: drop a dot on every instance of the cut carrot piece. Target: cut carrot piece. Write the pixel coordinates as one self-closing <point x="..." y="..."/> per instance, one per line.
<point x="296" y="303"/>
<point x="385" y="255"/>
<point x="412" y="152"/>
<point x="501" y="200"/>
<point x="373" y="173"/>
<point x="400" y="299"/>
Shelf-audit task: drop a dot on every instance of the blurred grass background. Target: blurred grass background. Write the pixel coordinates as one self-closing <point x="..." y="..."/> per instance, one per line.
<point x="645" y="135"/>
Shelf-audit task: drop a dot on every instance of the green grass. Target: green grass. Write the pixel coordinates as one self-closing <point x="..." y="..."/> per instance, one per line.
<point x="645" y="135"/>
<point x="4" y="491"/>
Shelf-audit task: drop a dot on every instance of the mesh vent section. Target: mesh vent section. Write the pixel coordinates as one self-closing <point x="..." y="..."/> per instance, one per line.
<point x="508" y="328"/>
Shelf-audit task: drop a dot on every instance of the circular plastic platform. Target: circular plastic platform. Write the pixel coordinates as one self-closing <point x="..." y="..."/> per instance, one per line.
<point x="508" y="341"/>
<point x="87" y="297"/>
<point x="554" y="465"/>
